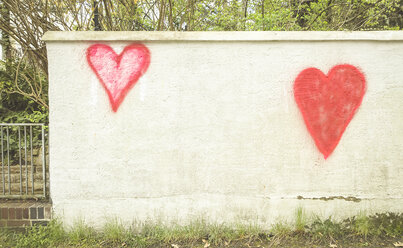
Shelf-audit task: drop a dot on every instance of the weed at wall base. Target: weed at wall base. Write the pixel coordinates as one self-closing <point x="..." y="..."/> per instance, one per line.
<point x="377" y="230"/>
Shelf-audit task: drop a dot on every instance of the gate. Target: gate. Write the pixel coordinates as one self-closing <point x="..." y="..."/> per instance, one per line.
<point x="23" y="171"/>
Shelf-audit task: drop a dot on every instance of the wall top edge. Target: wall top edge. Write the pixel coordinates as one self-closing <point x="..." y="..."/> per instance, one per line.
<point x="223" y="36"/>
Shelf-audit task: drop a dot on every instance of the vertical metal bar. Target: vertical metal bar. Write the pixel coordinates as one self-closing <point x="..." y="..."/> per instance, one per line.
<point x="8" y="160"/>
<point x="26" y="166"/>
<point x="2" y="162"/>
<point x="43" y="161"/>
<point x="32" y="161"/>
<point x="19" y="152"/>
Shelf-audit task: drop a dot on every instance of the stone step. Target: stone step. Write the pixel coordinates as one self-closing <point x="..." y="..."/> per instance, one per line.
<point x="15" y="190"/>
<point x="23" y="183"/>
<point x="16" y="168"/>
<point x="15" y="179"/>
<point x="38" y="177"/>
<point x="15" y="186"/>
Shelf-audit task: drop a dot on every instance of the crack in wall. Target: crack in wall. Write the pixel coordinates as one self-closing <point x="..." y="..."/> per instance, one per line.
<point x="348" y="198"/>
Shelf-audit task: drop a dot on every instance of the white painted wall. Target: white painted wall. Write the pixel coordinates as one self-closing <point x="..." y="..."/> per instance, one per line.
<point x="212" y="129"/>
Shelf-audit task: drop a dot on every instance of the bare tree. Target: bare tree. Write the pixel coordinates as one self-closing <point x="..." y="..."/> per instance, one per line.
<point x="24" y="22"/>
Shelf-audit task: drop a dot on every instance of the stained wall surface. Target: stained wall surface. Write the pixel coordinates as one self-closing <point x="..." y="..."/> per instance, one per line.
<point x="211" y="127"/>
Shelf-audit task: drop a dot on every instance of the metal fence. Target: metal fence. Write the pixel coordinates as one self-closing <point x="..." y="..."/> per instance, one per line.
<point x="23" y="161"/>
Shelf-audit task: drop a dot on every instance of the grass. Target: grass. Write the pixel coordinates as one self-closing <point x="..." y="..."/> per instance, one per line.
<point x="361" y="224"/>
<point x="300" y="220"/>
<point x="379" y="230"/>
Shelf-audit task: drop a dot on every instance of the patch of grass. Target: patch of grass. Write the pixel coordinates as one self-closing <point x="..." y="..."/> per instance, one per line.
<point x="281" y="229"/>
<point x="197" y="231"/>
<point x="387" y="224"/>
<point x="301" y="220"/>
<point x="41" y="236"/>
<point x="378" y="230"/>
<point x="81" y="233"/>
<point x="114" y="231"/>
<point x="361" y="224"/>
<point x="380" y="224"/>
<point x="7" y="237"/>
<point x="326" y="229"/>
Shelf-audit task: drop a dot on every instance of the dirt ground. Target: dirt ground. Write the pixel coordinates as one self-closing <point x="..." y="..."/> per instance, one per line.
<point x="298" y="241"/>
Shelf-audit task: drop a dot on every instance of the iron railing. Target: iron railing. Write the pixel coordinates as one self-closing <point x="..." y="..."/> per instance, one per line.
<point x="23" y="161"/>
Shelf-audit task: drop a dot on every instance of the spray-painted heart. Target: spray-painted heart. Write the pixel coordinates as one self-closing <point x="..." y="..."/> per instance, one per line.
<point x="118" y="73"/>
<point x="328" y="103"/>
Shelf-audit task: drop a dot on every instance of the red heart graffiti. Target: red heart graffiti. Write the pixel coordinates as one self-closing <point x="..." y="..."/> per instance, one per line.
<point x="328" y="103"/>
<point x="118" y="73"/>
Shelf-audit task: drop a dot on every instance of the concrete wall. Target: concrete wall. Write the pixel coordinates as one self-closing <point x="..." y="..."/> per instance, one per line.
<point x="212" y="128"/>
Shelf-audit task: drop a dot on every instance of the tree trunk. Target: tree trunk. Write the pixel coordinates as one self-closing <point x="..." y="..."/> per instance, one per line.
<point x="245" y="13"/>
<point x="171" y="24"/>
<point x="97" y="25"/>
<point x="5" y="37"/>
<point x="262" y="15"/>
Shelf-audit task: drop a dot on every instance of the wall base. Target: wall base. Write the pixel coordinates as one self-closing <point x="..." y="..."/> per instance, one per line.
<point x="24" y="213"/>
